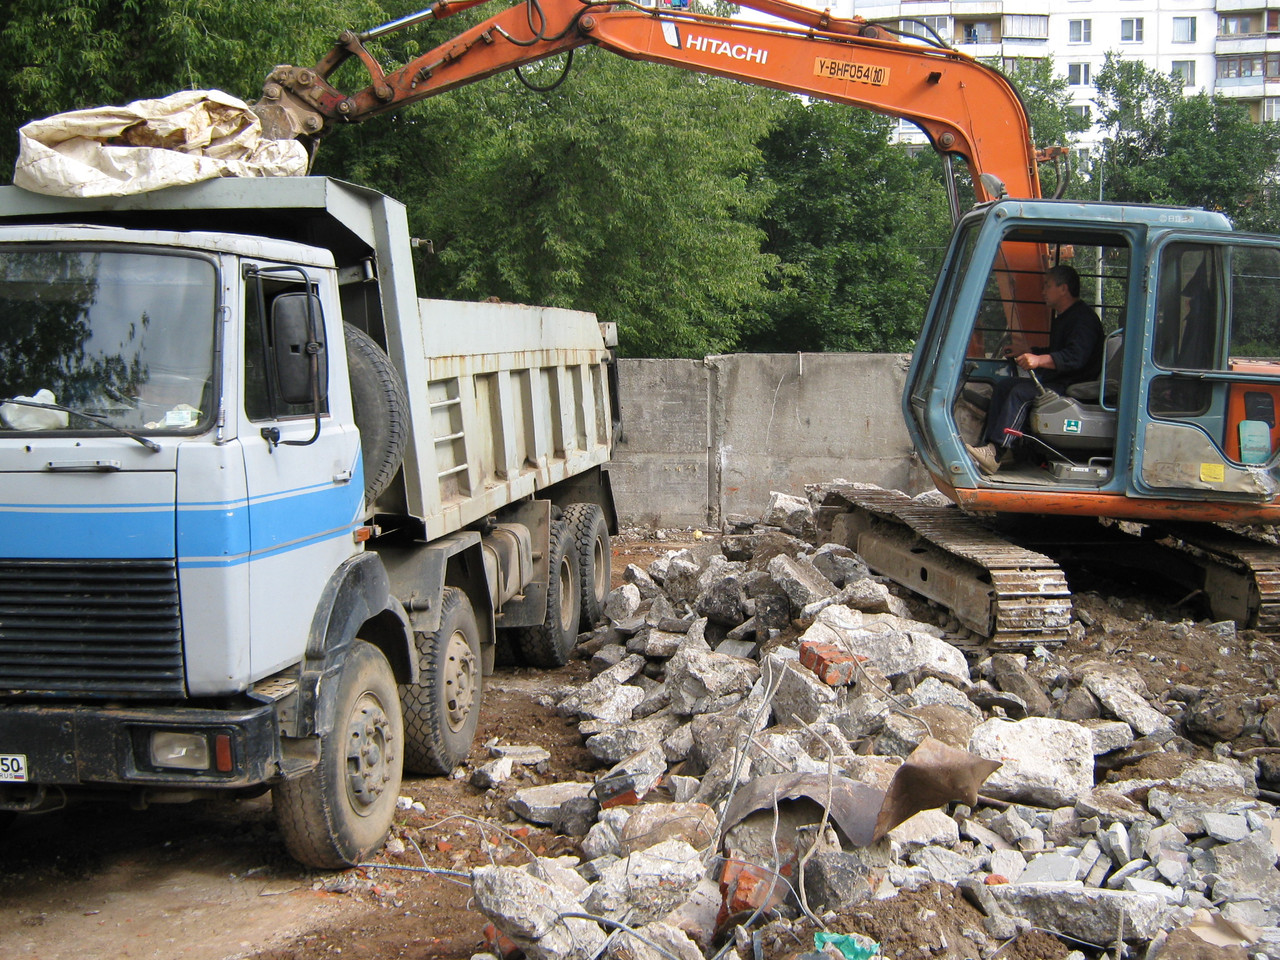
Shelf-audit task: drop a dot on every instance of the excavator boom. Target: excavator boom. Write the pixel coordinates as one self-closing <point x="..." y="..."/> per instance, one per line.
<point x="967" y="109"/>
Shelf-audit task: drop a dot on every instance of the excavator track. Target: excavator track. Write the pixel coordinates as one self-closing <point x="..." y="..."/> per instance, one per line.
<point x="1241" y="575"/>
<point x="1014" y="597"/>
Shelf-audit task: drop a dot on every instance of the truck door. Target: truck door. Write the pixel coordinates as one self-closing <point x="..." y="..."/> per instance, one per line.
<point x="302" y="459"/>
<point x="1208" y="426"/>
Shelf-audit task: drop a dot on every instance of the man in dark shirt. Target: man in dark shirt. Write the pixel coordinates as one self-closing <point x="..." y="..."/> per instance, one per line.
<point x="1074" y="355"/>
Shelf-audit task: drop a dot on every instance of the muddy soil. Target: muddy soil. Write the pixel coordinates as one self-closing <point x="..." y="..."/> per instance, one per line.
<point x="212" y="882"/>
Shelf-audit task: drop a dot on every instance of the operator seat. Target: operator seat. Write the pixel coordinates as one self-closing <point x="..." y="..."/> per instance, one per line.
<point x="1078" y="421"/>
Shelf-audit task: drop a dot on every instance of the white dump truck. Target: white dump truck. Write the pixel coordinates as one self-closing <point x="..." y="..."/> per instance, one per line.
<point x="268" y="515"/>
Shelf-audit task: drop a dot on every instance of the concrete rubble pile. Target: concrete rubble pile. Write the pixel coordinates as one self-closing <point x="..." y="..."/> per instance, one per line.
<point x="761" y="659"/>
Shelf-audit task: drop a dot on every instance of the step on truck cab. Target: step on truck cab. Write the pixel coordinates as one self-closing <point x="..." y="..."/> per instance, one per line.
<point x="268" y="514"/>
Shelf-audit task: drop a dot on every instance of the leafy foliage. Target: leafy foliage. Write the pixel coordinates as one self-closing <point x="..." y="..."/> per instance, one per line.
<point x="1045" y="97"/>
<point x="625" y="191"/>
<point x="1200" y="151"/>
<point x="853" y="222"/>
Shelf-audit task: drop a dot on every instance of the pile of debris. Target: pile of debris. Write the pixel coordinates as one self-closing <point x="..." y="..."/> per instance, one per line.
<point x="772" y="718"/>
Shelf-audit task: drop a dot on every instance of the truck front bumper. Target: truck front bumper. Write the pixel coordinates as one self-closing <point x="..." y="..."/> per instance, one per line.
<point x="160" y="747"/>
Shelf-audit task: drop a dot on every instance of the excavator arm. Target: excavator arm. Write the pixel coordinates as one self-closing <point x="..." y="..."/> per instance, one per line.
<point x="967" y="109"/>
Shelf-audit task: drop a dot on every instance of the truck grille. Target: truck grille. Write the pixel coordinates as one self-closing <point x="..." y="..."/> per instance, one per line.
<point x="101" y="628"/>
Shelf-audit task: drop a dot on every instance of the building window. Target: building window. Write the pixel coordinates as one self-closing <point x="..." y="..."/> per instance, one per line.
<point x="1079" y="31"/>
<point x="1186" y="69"/>
<point x="1080" y="110"/>
<point x="1184" y="29"/>
<point x="1026" y="27"/>
<point x="1078" y="74"/>
<point x="1131" y="30"/>
<point x="980" y="32"/>
<point x="1271" y="109"/>
<point x="920" y="27"/>
<point x="1237" y="25"/>
<point x="1010" y="64"/>
<point x="1231" y="68"/>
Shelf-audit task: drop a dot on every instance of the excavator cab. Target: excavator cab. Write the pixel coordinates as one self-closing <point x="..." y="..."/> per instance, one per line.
<point x="1183" y="418"/>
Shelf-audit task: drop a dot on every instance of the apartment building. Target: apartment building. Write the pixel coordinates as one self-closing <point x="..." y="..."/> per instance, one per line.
<point x="1227" y="47"/>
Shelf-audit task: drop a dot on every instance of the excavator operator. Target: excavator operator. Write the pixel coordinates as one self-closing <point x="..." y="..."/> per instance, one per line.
<point x="1074" y="355"/>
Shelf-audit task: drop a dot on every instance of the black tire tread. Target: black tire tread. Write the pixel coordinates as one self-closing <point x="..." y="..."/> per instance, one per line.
<point x="427" y="748"/>
<point x="303" y="810"/>
<point x="545" y="645"/>
<point x="587" y="523"/>
<point x="381" y="409"/>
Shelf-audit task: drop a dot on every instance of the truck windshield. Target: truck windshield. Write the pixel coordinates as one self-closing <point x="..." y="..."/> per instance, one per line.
<point x="126" y="337"/>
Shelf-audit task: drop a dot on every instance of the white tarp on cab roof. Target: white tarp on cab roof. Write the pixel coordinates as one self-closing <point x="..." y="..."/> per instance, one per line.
<point x="150" y="144"/>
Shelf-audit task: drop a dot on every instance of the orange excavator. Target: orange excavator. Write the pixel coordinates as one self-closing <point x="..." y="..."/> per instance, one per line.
<point x="1176" y="447"/>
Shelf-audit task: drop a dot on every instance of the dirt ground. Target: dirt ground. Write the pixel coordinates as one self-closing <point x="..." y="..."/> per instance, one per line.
<point x="212" y="881"/>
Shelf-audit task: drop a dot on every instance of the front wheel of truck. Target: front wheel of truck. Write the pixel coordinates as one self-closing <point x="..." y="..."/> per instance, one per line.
<point x="441" y="710"/>
<point x="340" y="812"/>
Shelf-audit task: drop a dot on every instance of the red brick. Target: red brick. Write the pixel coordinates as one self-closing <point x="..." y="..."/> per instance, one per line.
<point x="833" y="666"/>
<point x="500" y="944"/>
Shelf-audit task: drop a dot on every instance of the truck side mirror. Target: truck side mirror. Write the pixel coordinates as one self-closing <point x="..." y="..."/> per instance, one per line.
<point x="297" y="337"/>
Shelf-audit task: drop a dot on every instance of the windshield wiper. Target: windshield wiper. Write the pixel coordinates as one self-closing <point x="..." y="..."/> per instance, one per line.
<point x="91" y="417"/>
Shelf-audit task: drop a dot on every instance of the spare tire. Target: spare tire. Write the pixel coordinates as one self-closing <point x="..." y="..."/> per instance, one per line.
<point x="381" y="410"/>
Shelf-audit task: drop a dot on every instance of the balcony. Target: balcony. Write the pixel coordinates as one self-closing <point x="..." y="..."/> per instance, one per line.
<point x="1238" y="6"/>
<point x="1255" y="43"/>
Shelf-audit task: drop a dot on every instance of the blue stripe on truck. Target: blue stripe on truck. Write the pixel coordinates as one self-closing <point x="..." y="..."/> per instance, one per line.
<point x="210" y="534"/>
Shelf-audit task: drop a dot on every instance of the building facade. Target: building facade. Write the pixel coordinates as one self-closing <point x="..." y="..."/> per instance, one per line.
<point x="1228" y="47"/>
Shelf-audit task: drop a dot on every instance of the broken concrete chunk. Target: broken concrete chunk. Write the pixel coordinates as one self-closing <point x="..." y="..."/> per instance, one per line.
<point x="489" y="775"/>
<point x="619" y="741"/>
<point x="836" y="880"/>
<point x="1009" y="672"/>
<point x="661" y="941"/>
<point x="529" y="911"/>
<point x="646" y="885"/>
<point x="654" y="823"/>
<point x="681" y="579"/>
<point x="1050" y="868"/>
<point x="799" y="696"/>
<point x="1108" y="804"/>
<point x="839" y="564"/>
<point x="723" y="602"/>
<point x="792" y="514"/>
<point x="622" y="602"/>
<point x="928" y="827"/>
<point x="1045" y="761"/>
<point x="539" y="804"/>
<point x="702" y="681"/>
<point x="641" y="580"/>
<point x="600" y="687"/>
<point x="1123" y="694"/>
<point x="1108" y="735"/>
<point x="1082" y="913"/>
<point x="800" y="580"/>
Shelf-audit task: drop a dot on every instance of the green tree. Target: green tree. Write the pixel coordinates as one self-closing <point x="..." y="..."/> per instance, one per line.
<point x="626" y="191"/>
<point x="1201" y="151"/>
<point x="1047" y="102"/>
<point x="852" y="222"/>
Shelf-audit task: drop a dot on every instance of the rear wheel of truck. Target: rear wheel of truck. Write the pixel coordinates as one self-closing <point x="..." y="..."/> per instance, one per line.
<point x="550" y="643"/>
<point x="340" y="812"/>
<point x="591" y="540"/>
<point x="380" y="407"/>
<point x="441" y="710"/>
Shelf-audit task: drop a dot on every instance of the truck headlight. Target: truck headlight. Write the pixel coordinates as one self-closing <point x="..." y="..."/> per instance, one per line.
<point x="184" y="751"/>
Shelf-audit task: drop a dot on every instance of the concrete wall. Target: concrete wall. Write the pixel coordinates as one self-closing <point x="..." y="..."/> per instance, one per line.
<point x="703" y="439"/>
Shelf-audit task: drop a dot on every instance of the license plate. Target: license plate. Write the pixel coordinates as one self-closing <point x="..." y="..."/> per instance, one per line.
<point x="13" y="768"/>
